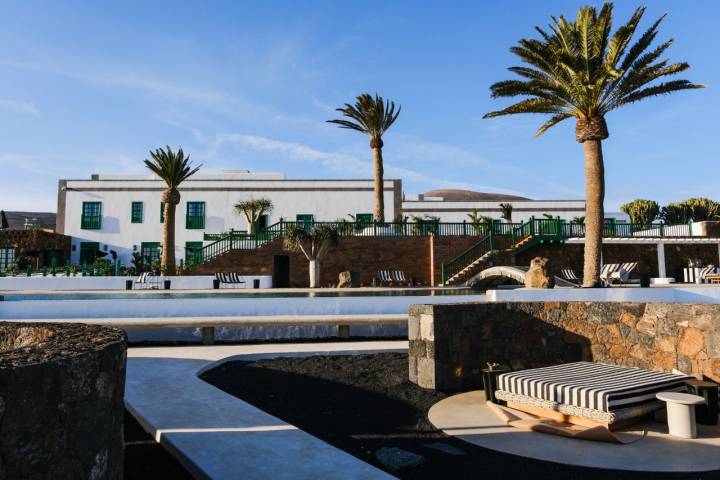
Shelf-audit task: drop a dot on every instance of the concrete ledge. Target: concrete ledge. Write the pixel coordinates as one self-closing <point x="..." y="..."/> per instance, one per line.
<point x="218" y="436"/>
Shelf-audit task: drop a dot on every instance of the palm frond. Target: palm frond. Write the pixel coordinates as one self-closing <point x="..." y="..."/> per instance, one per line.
<point x="172" y="167"/>
<point x="370" y="115"/>
<point x="581" y="68"/>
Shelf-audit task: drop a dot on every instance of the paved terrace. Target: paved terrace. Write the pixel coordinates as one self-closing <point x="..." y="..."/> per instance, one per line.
<point x="215" y="435"/>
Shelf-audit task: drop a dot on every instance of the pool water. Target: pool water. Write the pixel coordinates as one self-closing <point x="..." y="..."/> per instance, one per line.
<point x="241" y="294"/>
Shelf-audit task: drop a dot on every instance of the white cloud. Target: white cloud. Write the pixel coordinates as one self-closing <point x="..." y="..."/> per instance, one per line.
<point x="19" y="106"/>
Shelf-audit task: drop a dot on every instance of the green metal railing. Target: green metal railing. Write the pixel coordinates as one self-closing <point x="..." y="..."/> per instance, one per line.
<point x="457" y="264"/>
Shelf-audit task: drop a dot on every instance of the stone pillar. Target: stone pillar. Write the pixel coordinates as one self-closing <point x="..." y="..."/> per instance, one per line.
<point x="661" y="259"/>
<point x="61" y="411"/>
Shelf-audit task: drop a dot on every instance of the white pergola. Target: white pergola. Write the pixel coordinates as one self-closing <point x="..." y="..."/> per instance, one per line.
<point x="660" y="242"/>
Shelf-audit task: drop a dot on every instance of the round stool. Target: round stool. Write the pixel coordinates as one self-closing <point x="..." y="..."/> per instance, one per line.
<point x="681" y="413"/>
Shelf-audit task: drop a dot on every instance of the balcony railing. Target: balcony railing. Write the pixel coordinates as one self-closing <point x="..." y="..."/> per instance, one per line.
<point x="91" y="222"/>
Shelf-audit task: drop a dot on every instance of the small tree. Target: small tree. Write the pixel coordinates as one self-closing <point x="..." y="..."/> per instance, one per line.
<point x="314" y="243"/>
<point x="703" y="209"/>
<point x="676" y="213"/>
<point x="506" y="212"/>
<point x="578" y="220"/>
<point x="253" y="209"/>
<point x="641" y="212"/>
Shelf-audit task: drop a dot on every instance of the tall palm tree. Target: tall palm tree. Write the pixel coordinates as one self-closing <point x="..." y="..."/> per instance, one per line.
<point x="173" y="168"/>
<point x="579" y="70"/>
<point x="372" y="116"/>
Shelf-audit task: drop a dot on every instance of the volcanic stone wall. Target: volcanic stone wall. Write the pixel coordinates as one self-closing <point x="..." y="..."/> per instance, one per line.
<point x="61" y="401"/>
<point x="450" y="343"/>
<point x="33" y="241"/>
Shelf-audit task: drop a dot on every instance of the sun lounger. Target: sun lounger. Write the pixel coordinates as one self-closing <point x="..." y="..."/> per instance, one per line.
<point x="617" y="272"/>
<point x="230" y="280"/>
<point x="147" y="280"/>
<point x="569" y="275"/>
<point x="588" y="393"/>
<point x="398" y="277"/>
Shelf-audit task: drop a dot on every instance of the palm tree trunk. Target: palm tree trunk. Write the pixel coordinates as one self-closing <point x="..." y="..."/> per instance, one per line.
<point x="379" y="190"/>
<point x="594" y="213"/>
<point x="168" y="252"/>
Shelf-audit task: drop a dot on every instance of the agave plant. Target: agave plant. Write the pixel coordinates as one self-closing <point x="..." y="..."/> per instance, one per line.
<point x="371" y="116"/>
<point x="173" y="168"/>
<point x="578" y="69"/>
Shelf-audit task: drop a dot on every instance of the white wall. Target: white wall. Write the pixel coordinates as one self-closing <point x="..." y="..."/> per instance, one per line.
<point x="195" y="282"/>
<point x="522" y="210"/>
<point x="336" y="200"/>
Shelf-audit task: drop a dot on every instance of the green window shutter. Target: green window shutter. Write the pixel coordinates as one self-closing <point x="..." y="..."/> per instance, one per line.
<point x="195" y="215"/>
<point x="363" y="218"/>
<point x="193" y="253"/>
<point x="136" y="212"/>
<point x="162" y="212"/>
<point x="91" y="218"/>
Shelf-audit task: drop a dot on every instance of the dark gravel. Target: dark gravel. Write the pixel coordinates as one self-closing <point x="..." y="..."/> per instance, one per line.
<point x="145" y="459"/>
<point x="365" y="403"/>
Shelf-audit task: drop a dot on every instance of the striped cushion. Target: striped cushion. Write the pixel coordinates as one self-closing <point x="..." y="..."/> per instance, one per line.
<point x="591" y="385"/>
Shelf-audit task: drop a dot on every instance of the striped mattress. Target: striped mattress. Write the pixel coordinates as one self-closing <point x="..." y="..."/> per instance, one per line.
<point x="588" y="385"/>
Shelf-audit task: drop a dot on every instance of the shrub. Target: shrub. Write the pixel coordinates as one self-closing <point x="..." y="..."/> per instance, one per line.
<point x="640" y="211"/>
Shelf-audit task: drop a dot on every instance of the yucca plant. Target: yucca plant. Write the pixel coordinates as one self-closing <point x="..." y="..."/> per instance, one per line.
<point x="373" y="117"/>
<point x="580" y="69"/>
<point x="173" y="168"/>
<point x="314" y="243"/>
<point x="253" y="209"/>
<point x="506" y="210"/>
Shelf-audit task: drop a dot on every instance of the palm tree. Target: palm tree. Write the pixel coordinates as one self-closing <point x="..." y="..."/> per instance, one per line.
<point x="578" y="69"/>
<point x="314" y="243"/>
<point x="173" y="168"/>
<point x="253" y="209"/>
<point x="372" y="116"/>
<point x="506" y="212"/>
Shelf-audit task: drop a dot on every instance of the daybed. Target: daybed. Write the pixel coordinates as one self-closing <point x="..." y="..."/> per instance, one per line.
<point x="587" y="393"/>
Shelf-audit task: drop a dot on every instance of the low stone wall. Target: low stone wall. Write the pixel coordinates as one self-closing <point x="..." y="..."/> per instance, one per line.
<point x="61" y="401"/>
<point x="450" y="343"/>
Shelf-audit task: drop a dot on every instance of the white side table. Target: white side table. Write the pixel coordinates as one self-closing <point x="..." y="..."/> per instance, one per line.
<point x="681" y="413"/>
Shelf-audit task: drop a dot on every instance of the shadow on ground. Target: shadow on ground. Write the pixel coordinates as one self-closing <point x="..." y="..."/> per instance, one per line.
<point x="364" y="403"/>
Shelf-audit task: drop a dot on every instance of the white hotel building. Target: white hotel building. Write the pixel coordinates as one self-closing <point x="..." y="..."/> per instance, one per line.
<point x="123" y="213"/>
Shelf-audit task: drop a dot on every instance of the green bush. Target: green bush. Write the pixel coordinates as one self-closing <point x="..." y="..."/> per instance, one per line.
<point x="640" y="211"/>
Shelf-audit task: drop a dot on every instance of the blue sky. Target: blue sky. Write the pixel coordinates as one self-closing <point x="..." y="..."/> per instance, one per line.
<point x="90" y="87"/>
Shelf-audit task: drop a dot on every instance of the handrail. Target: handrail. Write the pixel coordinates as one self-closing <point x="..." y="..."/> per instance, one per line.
<point x="454" y="266"/>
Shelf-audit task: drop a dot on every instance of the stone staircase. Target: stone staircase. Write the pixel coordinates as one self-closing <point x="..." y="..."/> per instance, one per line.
<point x="487" y="260"/>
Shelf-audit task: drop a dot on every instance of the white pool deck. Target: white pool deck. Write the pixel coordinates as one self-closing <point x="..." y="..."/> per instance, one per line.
<point x="467" y="417"/>
<point x="218" y="436"/>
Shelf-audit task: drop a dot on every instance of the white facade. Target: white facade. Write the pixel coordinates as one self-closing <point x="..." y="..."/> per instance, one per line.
<point x="452" y="211"/>
<point x="326" y="200"/>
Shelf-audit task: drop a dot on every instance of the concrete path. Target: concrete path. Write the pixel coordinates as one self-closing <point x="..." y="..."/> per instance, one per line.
<point x="217" y="436"/>
<point x="465" y="416"/>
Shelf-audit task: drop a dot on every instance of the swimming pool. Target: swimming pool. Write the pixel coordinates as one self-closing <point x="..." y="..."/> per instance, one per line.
<point x="138" y="304"/>
<point x="236" y="294"/>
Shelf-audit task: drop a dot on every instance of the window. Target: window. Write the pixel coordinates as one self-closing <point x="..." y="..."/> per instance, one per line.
<point x="195" y="217"/>
<point x="136" y="212"/>
<point x="304" y="220"/>
<point x="88" y="252"/>
<point x="150" y="253"/>
<point x="7" y="258"/>
<point x="364" y="218"/>
<point x="262" y="223"/>
<point x="162" y="212"/>
<point x="193" y="253"/>
<point x="91" y="216"/>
